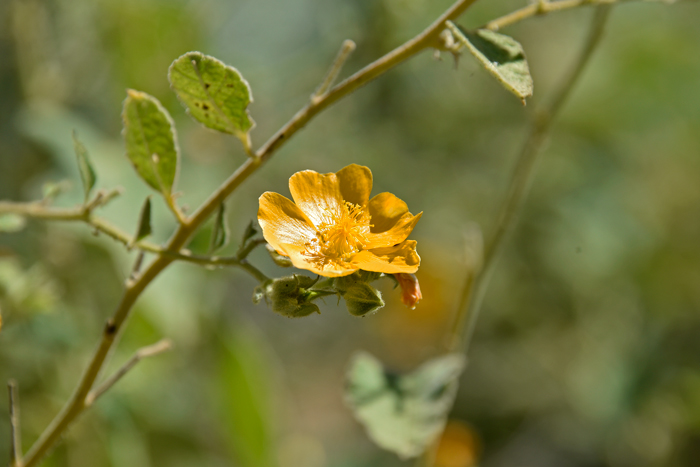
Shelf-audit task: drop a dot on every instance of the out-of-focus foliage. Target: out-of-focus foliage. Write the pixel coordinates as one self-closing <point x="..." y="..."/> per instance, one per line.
<point x="587" y="352"/>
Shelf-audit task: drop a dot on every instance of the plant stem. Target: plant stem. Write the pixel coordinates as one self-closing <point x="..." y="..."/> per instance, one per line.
<point x="475" y="287"/>
<point x="542" y="8"/>
<point x="145" y="352"/>
<point x="39" y="210"/>
<point x="427" y="38"/>
<point x="15" y="432"/>
<point x="477" y="279"/>
<point x="345" y="50"/>
<point x="135" y="286"/>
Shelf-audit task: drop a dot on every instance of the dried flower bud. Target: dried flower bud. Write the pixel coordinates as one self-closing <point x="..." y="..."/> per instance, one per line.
<point x="410" y="289"/>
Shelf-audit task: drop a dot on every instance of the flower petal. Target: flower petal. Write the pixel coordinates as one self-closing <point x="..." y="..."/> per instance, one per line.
<point x="283" y="224"/>
<point x="355" y="184"/>
<point x="302" y="261"/>
<point x="316" y="194"/>
<point x="395" y="235"/>
<point x="392" y="260"/>
<point x="385" y="210"/>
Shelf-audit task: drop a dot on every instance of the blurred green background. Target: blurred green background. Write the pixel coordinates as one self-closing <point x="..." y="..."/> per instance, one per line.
<point x="588" y="350"/>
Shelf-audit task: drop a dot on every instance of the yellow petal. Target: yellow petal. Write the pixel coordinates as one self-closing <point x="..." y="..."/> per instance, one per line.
<point x="355" y="184"/>
<point x="316" y="194"/>
<point x="395" y="235"/>
<point x="385" y="210"/>
<point x="302" y="261"/>
<point x="392" y="260"/>
<point x="283" y="224"/>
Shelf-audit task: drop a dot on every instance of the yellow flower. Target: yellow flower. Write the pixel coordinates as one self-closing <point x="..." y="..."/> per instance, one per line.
<point x="334" y="228"/>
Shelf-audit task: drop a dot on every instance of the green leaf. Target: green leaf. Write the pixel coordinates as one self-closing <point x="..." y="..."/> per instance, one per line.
<point x="501" y="55"/>
<point x="144" y="229"/>
<point x="151" y="140"/>
<point x="215" y="94"/>
<point x="362" y="299"/>
<point x="250" y="232"/>
<point x="12" y="222"/>
<point x="87" y="173"/>
<point x="403" y="413"/>
<point x="220" y="233"/>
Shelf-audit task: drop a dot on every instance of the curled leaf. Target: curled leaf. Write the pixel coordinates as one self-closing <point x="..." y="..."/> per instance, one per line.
<point x="501" y="55"/>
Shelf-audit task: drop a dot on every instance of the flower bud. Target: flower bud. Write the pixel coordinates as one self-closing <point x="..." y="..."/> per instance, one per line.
<point x="289" y="296"/>
<point x="362" y="298"/>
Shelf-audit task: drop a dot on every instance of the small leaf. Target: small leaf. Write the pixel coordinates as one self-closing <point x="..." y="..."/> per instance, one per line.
<point x="87" y="173"/>
<point x="151" y="140"/>
<point x="250" y="232"/>
<point x="501" y="55"/>
<point x="144" y="229"/>
<point x="12" y="222"/>
<point x="220" y="233"/>
<point x="403" y="413"/>
<point x="215" y="94"/>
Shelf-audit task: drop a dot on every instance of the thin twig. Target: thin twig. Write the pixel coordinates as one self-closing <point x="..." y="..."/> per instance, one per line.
<point x="145" y="352"/>
<point x="15" y="431"/>
<point x="345" y="50"/>
<point x="39" y="210"/>
<point x="544" y="7"/>
<point x="521" y="180"/>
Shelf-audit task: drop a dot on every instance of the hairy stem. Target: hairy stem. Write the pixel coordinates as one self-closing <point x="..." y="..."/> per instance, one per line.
<point x="135" y="286"/>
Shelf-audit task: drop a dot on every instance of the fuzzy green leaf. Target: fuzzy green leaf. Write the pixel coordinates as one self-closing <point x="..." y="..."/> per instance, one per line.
<point x="215" y="94"/>
<point x="87" y="173"/>
<point x="151" y="140"/>
<point x="501" y="55"/>
<point x="12" y="222"/>
<point x="144" y="229"/>
<point x="403" y="413"/>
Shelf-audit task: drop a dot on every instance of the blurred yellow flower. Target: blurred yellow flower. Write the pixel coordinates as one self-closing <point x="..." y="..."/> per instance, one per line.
<point x="333" y="228"/>
<point x="459" y="446"/>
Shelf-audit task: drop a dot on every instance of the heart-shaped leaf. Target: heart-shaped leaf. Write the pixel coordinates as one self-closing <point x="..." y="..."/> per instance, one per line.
<point x="215" y="94"/>
<point x="151" y="140"/>
<point x="403" y="413"/>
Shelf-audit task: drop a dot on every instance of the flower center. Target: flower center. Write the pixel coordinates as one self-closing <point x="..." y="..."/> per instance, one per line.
<point x="341" y="233"/>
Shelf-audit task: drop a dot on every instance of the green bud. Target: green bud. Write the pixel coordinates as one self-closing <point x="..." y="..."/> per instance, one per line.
<point x="279" y="260"/>
<point x="258" y="294"/>
<point x="289" y="296"/>
<point x="368" y="276"/>
<point x="362" y="299"/>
